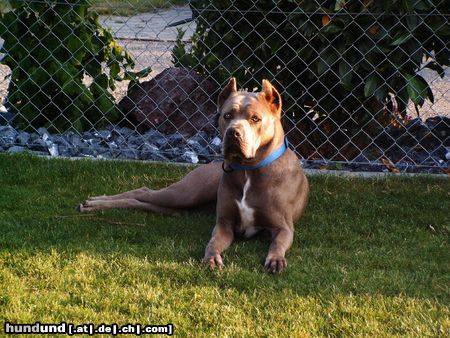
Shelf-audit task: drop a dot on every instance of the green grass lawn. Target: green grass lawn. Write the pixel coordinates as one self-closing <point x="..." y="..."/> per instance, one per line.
<point x="370" y="257"/>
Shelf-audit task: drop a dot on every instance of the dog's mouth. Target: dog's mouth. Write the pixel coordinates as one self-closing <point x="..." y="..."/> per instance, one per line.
<point x="238" y="158"/>
<point x="235" y="152"/>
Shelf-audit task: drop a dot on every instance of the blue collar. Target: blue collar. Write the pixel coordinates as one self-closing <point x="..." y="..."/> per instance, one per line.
<point x="274" y="155"/>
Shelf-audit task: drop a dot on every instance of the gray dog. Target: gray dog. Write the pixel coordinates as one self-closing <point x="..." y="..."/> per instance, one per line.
<point x="259" y="186"/>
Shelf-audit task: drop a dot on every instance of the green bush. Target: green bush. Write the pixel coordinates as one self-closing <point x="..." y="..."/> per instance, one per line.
<point x="51" y="46"/>
<point x="343" y="61"/>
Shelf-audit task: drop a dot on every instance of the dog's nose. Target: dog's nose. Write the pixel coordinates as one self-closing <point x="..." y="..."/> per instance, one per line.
<point x="232" y="132"/>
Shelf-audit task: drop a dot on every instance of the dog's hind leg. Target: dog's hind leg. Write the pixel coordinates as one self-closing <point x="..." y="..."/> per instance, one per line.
<point x="197" y="188"/>
<point x="126" y="203"/>
<point x="125" y="195"/>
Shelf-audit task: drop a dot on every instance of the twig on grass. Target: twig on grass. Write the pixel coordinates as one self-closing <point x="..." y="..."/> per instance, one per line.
<point x="93" y="217"/>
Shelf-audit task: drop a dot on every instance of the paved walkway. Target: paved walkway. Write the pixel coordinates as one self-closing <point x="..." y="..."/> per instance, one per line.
<point x="151" y="26"/>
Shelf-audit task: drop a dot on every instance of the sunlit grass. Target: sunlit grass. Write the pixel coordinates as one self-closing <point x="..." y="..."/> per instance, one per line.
<point x="370" y="257"/>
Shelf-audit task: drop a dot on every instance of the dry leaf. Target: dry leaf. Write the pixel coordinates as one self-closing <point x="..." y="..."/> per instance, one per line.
<point x="374" y="29"/>
<point x="325" y="20"/>
<point x="389" y="165"/>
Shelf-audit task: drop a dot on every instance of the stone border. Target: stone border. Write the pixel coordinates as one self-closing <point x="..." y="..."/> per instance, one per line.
<point x="125" y="143"/>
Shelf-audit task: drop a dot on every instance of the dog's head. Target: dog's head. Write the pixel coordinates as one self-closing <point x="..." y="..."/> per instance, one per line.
<point x="248" y="121"/>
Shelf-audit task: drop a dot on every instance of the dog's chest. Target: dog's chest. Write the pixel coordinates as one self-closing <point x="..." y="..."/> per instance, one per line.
<point x="246" y="213"/>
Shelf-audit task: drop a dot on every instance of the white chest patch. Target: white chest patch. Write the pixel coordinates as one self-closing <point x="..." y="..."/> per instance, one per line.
<point x="246" y="213"/>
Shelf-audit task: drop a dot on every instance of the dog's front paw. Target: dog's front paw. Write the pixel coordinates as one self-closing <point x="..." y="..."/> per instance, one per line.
<point x="213" y="261"/>
<point x="275" y="264"/>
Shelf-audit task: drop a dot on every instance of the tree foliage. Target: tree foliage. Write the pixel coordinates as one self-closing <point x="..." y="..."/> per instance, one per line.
<point x="52" y="47"/>
<point x="344" y="60"/>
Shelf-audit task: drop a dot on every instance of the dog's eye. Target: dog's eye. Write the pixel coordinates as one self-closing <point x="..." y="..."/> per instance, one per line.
<point x="227" y="116"/>
<point x="255" y="119"/>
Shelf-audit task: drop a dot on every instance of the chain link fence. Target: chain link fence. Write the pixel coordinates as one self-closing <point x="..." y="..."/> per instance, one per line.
<point x="365" y="84"/>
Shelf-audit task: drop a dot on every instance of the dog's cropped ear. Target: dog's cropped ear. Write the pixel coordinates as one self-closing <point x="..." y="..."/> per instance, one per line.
<point x="230" y="88"/>
<point x="272" y="97"/>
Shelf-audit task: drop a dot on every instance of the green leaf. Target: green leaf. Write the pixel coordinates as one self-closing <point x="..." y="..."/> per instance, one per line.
<point x="400" y="38"/>
<point x="418" y="89"/>
<point x="62" y="30"/>
<point x="443" y="29"/>
<point x="371" y="85"/>
<point x="412" y="21"/>
<point x="134" y="76"/>
<point x="104" y="102"/>
<point x="40" y="76"/>
<point x="142" y="73"/>
<point x="16" y="3"/>
<point x="72" y="88"/>
<point x="93" y="67"/>
<point x="345" y="73"/>
<point x="334" y="27"/>
<point x="375" y="86"/>
<point x="381" y="92"/>
<point x="77" y="125"/>
<point x="80" y="11"/>
<point x="73" y="43"/>
<point x="85" y="98"/>
<point x="402" y="96"/>
<point x="102" y="81"/>
<point x="326" y="59"/>
<point x="305" y="53"/>
<point x="62" y="76"/>
<point x="129" y="59"/>
<point x="114" y="69"/>
<point x="423" y="5"/>
<point x="51" y="42"/>
<point x="339" y="4"/>
<point x="408" y="6"/>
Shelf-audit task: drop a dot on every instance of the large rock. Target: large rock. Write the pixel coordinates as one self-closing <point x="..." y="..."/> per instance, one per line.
<point x="175" y="100"/>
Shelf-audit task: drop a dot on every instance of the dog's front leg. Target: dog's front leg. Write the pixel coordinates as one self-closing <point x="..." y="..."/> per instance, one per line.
<point x="281" y="242"/>
<point x="221" y="239"/>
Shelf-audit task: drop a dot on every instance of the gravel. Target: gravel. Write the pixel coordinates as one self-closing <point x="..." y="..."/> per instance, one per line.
<point x="116" y="142"/>
<point x="430" y="155"/>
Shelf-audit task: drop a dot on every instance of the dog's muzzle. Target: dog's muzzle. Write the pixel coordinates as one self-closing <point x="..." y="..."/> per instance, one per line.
<point x="234" y="143"/>
<point x="240" y="143"/>
<point x="234" y="133"/>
